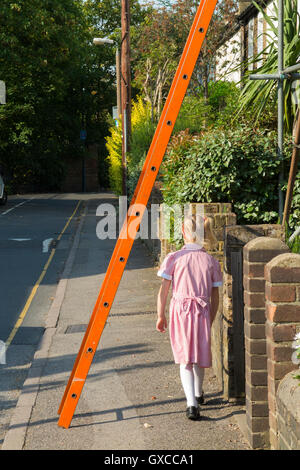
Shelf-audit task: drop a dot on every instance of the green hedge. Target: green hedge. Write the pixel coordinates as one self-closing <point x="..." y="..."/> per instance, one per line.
<point x="238" y="166"/>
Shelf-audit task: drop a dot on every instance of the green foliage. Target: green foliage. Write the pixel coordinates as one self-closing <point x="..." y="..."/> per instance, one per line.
<point x="223" y="98"/>
<point x="142" y="132"/>
<point x="195" y="115"/>
<point x="40" y="63"/>
<point x="114" y="147"/>
<point x="143" y="129"/>
<point x="198" y="114"/>
<point x="58" y="83"/>
<point x="294" y="218"/>
<point x="239" y="166"/>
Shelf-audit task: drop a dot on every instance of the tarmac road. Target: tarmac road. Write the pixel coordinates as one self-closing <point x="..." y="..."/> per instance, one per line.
<point x="31" y="260"/>
<point x="28" y="230"/>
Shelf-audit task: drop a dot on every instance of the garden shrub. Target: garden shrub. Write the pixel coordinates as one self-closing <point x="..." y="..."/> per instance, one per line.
<point x="143" y="129"/>
<point x="114" y="148"/>
<point x="240" y="166"/>
<point x="142" y="133"/>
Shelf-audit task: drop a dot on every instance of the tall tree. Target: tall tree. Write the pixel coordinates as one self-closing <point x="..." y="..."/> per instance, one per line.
<point x="162" y="39"/>
<point x="57" y="81"/>
<point x="41" y="56"/>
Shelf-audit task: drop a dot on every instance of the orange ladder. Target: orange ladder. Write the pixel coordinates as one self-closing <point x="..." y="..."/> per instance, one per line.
<point x="135" y="212"/>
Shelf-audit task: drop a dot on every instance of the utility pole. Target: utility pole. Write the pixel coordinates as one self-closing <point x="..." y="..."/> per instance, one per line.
<point x="118" y="74"/>
<point x="125" y="89"/>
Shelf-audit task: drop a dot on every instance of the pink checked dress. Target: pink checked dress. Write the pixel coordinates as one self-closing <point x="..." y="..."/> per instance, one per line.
<point x="193" y="273"/>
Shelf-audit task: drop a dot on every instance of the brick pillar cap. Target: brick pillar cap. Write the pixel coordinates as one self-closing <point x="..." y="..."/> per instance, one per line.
<point x="265" y="243"/>
<point x="283" y="268"/>
<point x="263" y="249"/>
<point x="286" y="260"/>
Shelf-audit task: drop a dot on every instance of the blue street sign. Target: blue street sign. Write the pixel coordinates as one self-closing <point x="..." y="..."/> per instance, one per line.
<point x="83" y="135"/>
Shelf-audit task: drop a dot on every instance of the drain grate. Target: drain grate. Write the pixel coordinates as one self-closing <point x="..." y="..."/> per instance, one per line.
<point x="81" y="328"/>
<point x="76" y="329"/>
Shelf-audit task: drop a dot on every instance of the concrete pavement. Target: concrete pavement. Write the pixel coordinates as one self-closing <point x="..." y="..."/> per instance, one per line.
<point x="132" y="398"/>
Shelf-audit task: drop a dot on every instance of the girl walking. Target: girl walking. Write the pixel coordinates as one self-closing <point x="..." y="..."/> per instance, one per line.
<point x="195" y="276"/>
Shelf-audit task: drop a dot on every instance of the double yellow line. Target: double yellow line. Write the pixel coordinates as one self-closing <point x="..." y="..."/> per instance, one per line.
<point x="37" y="284"/>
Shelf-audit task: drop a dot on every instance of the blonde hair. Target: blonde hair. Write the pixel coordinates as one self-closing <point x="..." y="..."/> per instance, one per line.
<point x="199" y="230"/>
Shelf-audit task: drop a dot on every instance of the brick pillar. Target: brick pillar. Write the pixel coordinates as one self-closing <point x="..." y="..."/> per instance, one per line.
<point x="257" y="253"/>
<point x="282" y="276"/>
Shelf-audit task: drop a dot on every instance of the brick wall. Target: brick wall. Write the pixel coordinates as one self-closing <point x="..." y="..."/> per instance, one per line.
<point x="257" y="253"/>
<point x="74" y="173"/>
<point x="221" y="214"/>
<point x="282" y="276"/>
<point x="288" y="413"/>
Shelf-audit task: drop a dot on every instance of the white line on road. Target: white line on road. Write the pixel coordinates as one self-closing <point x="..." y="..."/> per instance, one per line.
<point x="46" y="244"/>
<point x="20" y="239"/>
<point x="17" y="205"/>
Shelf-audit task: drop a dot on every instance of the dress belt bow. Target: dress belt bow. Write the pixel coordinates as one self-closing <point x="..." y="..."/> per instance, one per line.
<point x="201" y="300"/>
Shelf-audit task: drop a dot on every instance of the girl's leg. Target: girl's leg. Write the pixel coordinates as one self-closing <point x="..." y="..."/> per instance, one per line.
<point x="198" y="379"/>
<point x="187" y="380"/>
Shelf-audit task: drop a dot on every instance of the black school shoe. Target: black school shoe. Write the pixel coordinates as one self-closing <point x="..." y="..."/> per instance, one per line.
<point x="200" y="400"/>
<point x="193" y="413"/>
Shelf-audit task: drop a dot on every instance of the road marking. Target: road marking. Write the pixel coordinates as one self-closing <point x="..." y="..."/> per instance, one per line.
<point x="37" y="284"/>
<point x="46" y="244"/>
<point x="17" y="205"/>
<point x="20" y="239"/>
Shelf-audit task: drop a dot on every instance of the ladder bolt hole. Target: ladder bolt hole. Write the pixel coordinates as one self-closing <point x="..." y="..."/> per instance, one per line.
<point x="90" y="350"/>
<point x="201" y="30"/>
<point x="169" y="123"/>
<point x="106" y="304"/>
<point x="122" y="259"/>
<point x="185" y="77"/>
<point x="153" y="168"/>
<point x="74" y="395"/>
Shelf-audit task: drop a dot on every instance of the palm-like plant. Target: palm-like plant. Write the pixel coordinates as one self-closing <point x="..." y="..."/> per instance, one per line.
<point x="257" y="93"/>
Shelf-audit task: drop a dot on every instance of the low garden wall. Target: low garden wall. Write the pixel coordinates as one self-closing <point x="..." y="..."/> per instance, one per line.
<point x="288" y="414"/>
<point x="272" y="318"/>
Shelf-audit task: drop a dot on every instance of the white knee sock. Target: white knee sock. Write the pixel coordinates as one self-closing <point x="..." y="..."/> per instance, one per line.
<point x="198" y="379"/>
<point x="187" y="380"/>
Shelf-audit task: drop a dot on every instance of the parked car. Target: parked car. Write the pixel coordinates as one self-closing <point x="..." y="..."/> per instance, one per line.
<point x="3" y="194"/>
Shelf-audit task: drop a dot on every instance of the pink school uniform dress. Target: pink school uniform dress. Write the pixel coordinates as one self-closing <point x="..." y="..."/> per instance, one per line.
<point x="193" y="273"/>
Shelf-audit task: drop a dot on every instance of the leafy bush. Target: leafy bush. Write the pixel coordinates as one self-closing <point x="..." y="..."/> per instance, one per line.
<point x="240" y="166"/>
<point x="142" y="132"/>
<point x="294" y="219"/>
<point x="114" y="147"/>
<point x="193" y="115"/>
<point x="223" y="101"/>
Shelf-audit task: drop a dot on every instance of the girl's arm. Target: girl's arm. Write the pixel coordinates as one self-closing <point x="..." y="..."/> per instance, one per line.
<point x="214" y="303"/>
<point x="161" y="323"/>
